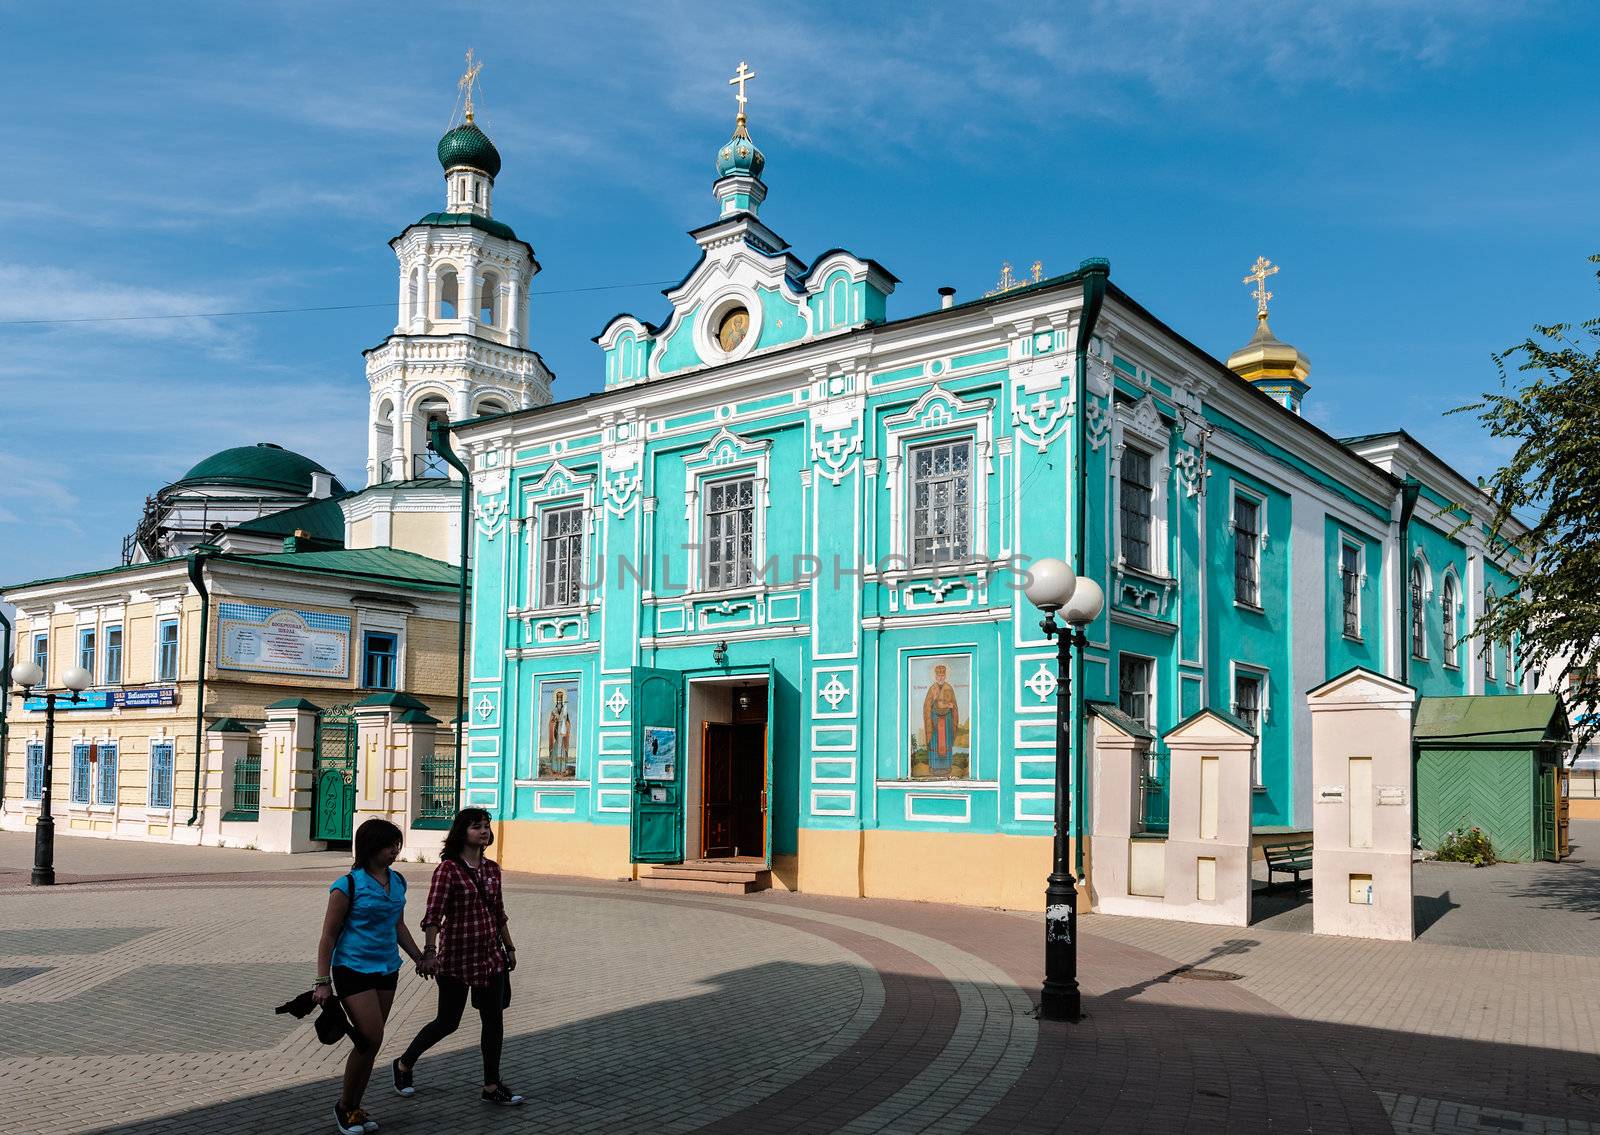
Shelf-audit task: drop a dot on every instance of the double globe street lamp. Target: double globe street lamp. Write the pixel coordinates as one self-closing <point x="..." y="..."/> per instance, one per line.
<point x="76" y="679"/>
<point x="1053" y="588"/>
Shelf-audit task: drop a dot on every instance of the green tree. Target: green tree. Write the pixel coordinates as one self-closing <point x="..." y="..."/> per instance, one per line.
<point x="1549" y="405"/>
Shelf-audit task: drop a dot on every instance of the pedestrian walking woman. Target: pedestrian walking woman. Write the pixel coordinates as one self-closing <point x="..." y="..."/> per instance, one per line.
<point x="358" y="958"/>
<point x="466" y="921"/>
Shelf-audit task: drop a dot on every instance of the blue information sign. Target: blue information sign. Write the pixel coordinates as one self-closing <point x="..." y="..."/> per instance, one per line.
<point x="147" y="699"/>
<point x="94" y="699"/>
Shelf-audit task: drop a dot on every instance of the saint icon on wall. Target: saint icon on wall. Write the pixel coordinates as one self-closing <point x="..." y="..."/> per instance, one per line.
<point x="940" y="704"/>
<point x="735" y="325"/>
<point x="558" y="711"/>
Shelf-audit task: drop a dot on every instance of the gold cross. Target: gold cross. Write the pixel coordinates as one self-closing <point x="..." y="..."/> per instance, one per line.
<point x="740" y="77"/>
<point x="466" y="81"/>
<point x="1259" y="272"/>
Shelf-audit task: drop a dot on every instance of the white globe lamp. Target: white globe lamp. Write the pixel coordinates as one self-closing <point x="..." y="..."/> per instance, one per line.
<point x="1086" y="603"/>
<point x="1049" y="585"/>
<point x="76" y="679"/>
<point x="27" y="674"/>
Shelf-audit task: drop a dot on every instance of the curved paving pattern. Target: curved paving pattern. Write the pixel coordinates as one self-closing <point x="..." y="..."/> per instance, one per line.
<point x="643" y="1011"/>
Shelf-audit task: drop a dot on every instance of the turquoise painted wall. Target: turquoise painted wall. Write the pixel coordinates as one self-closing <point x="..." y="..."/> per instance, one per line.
<point x="1367" y="647"/>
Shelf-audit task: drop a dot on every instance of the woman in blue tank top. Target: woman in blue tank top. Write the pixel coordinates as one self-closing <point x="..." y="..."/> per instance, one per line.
<point x="358" y="957"/>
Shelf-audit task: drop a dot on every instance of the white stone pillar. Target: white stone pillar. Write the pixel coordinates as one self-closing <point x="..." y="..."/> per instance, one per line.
<point x="1361" y="761"/>
<point x="227" y="743"/>
<point x="1118" y="867"/>
<point x="288" y="752"/>
<point x="467" y="308"/>
<point x="513" y="316"/>
<point x="1207" y="868"/>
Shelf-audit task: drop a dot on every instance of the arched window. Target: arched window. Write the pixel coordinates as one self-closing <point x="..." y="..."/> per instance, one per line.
<point x="449" y="294"/>
<point x="488" y="299"/>
<point x="1488" y="647"/>
<point x="1452" y="640"/>
<point x="1419" y="624"/>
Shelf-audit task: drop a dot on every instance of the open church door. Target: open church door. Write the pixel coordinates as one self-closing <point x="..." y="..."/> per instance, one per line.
<point x="655" y="833"/>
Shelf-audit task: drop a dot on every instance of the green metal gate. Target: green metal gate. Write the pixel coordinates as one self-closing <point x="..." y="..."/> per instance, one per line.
<point x="333" y="775"/>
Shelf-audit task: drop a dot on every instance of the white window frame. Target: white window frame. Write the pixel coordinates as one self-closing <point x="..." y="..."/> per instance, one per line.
<point x="1347" y="544"/>
<point x="540" y="538"/>
<point x="1450" y="620"/>
<point x="1140" y="425"/>
<point x="727" y="456"/>
<point x="558" y="488"/>
<point x="1149" y="720"/>
<point x="967" y="440"/>
<point x="1263" y="677"/>
<point x="171" y="746"/>
<point x="384" y="622"/>
<point x="1419" y="595"/>
<point x="1236" y="494"/>
<point x="938" y="415"/>
<point x="177" y="649"/>
<point x="366" y="633"/>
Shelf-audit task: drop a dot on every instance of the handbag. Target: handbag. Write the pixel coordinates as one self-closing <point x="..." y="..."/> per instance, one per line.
<point x="505" y="974"/>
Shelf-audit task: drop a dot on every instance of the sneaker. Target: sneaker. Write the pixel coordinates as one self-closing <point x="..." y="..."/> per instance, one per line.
<point x="368" y="1124"/>
<point x="402" y="1080"/>
<point x="501" y="1095"/>
<point x="352" y="1122"/>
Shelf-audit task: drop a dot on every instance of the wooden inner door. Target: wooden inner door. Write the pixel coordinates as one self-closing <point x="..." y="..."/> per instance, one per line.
<point x="734" y="790"/>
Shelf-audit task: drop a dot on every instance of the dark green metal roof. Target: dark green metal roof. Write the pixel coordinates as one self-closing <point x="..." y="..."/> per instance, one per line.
<point x="322" y="519"/>
<point x="1512" y="720"/>
<point x="1108" y="712"/>
<point x="471" y="220"/>
<point x="228" y="725"/>
<point x="260" y="466"/>
<point x="417" y="717"/>
<point x="468" y="146"/>
<point x="390" y="697"/>
<point x="295" y="703"/>
<point x="380" y="566"/>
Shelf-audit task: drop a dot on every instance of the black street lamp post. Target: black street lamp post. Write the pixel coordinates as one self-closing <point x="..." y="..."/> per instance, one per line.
<point x="76" y="680"/>
<point x="1052" y="587"/>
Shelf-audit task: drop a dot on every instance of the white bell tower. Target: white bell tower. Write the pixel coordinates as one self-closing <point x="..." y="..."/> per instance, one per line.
<point x="459" y="348"/>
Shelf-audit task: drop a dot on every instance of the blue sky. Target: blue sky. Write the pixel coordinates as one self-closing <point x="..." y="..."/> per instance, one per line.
<point x="1425" y="173"/>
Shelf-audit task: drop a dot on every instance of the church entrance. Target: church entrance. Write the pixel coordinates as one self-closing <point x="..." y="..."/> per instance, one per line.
<point x="728" y="789"/>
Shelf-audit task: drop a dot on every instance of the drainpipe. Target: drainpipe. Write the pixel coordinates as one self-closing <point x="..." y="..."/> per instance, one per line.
<point x="439" y="442"/>
<point x="1408" y="504"/>
<point x="1095" y="272"/>
<point x="197" y="577"/>
<point x="5" y="698"/>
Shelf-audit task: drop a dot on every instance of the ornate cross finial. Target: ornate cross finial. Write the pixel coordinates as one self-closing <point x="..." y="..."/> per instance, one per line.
<point x="467" y="80"/>
<point x="740" y="77"/>
<point x="1259" y="272"/>
<point x="1009" y="279"/>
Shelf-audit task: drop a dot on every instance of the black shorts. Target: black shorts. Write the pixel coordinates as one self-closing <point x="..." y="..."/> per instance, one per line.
<point x="348" y="982"/>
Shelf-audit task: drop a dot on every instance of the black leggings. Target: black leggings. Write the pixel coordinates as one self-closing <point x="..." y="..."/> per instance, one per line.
<point x="490" y="1003"/>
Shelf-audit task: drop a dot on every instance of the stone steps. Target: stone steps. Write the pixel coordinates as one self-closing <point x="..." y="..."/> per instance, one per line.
<point x="715" y="876"/>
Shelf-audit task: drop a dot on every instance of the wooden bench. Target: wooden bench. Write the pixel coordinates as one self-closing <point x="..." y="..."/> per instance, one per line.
<point x="1290" y="858"/>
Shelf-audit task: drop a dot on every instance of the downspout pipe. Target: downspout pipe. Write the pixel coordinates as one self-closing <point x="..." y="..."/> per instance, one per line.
<point x="1409" y="491"/>
<point x="439" y="442"/>
<point x="1096" y="272"/>
<point x="5" y="697"/>
<point x="197" y="561"/>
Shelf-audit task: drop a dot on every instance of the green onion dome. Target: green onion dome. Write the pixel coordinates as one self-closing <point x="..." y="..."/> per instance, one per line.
<point x="740" y="156"/>
<point x="468" y="146"/>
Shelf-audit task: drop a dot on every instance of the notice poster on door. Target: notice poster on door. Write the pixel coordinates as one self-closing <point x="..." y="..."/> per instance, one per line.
<point x="660" y="753"/>
<point x="282" y="641"/>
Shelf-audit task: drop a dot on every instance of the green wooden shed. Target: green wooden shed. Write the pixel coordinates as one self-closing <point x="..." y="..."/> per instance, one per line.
<point x="1491" y="762"/>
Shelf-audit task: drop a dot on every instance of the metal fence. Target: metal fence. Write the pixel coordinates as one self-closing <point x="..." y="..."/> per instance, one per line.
<point x="437" y="788"/>
<point x="246" y="803"/>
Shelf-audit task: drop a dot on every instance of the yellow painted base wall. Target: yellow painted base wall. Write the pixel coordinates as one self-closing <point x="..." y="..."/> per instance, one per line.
<point x="971" y="870"/>
<point x="594" y="851"/>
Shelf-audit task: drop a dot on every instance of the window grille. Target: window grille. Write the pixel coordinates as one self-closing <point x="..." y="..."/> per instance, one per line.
<point x="246" y="804"/>
<point x="1419" y="633"/>
<point x="1452" y="641"/>
<point x="33" y="787"/>
<point x="1247" y="708"/>
<point x="730" y="532"/>
<point x="1136" y="501"/>
<point x="105" y="777"/>
<point x="941" y="502"/>
<point x="1350" y="588"/>
<point x="1246" y="551"/>
<point x="80" y="773"/>
<point x="161" y="774"/>
<point x="1134" y="693"/>
<point x="562" y="557"/>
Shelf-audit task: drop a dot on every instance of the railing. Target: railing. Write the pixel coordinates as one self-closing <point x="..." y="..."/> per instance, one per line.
<point x="1154" y="805"/>
<point x="421" y="467"/>
<point x="246" y="804"/>
<point x="437" y="790"/>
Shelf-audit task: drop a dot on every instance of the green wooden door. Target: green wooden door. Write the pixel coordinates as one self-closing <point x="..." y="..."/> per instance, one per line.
<point x="1545" y="820"/>
<point x="656" y="824"/>
<point x="333" y="776"/>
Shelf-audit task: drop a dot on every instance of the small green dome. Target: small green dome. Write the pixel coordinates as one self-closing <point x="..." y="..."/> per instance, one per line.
<point x="468" y="146"/>
<point x="740" y="156"/>
<point x="260" y="466"/>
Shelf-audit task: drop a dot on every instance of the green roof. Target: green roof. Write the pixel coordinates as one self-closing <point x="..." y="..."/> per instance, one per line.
<point x="1485" y="719"/>
<point x="1108" y="712"/>
<point x="382" y="566"/>
<point x="390" y="697"/>
<point x="471" y="220"/>
<point x="466" y="145"/>
<point x="260" y="466"/>
<point x="295" y="703"/>
<point x="228" y="725"/>
<point x="322" y="519"/>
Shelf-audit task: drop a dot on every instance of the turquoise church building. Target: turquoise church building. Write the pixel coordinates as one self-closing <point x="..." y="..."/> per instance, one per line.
<point x="759" y="598"/>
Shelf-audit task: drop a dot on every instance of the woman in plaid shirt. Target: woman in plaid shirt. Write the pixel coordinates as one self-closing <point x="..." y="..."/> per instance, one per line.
<point x="468" y="949"/>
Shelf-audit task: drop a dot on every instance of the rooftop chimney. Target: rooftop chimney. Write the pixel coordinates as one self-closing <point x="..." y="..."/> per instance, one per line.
<point x="947" y="297"/>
